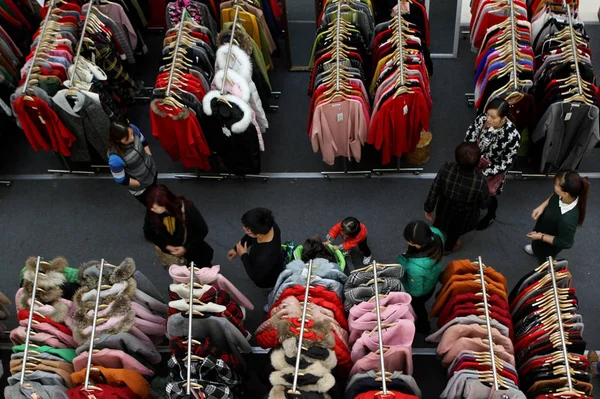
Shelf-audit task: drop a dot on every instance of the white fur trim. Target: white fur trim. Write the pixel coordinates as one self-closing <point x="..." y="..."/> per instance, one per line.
<point x="239" y="126"/>
<point x="237" y="80"/>
<point x="239" y="61"/>
<point x="207" y="100"/>
<point x="50" y="279"/>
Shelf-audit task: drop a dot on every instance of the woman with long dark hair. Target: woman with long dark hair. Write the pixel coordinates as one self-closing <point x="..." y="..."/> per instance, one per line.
<point x="176" y="228"/>
<point x="422" y="267"/>
<point x="130" y="159"/>
<point x="557" y="218"/>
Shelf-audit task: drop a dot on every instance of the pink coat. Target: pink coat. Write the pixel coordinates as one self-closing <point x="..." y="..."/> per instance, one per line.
<point x="400" y="334"/>
<point x="50" y="329"/>
<point x="368" y="319"/>
<point x="396" y="358"/>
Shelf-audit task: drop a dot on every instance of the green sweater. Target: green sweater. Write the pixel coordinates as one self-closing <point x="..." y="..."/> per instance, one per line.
<point x="421" y="274"/>
<point x="562" y="227"/>
<point x="70" y="274"/>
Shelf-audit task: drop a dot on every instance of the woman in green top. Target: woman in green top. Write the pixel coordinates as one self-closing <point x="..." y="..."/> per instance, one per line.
<point x="422" y="267"/>
<point x="557" y="218"/>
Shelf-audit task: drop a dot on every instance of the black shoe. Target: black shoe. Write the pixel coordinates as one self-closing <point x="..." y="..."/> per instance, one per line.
<point x="485" y="222"/>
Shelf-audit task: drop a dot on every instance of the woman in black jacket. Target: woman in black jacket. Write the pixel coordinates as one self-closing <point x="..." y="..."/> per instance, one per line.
<point x="176" y="228"/>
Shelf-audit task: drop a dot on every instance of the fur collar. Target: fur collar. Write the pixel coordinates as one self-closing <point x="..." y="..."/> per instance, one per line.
<point x="117" y="307"/>
<point x="124" y="326"/>
<point x="128" y="292"/>
<point x="242" y="38"/>
<point x="57" y="264"/>
<point x="279" y="392"/>
<point x="319" y="327"/>
<point x="290" y="348"/>
<point x="324" y="384"/>
<point x="48" y="280"/>
<point x="61" y="310"/>
<point x="236" y="79"/>
<point x="239" y="62"/>
<point x="237" y="127"/>
<point x="48" y="295"/>
<point x="88" y="273"/>
<point x="183" y="113"/>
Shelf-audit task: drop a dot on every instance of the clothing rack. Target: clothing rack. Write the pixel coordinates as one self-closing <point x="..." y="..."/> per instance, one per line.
<point x="380" y="336"/>
<point x="30" y="318"/>
<point x="294" y="390"/>
<point x="573" y="46"/>
<point x="231" y="39"/>
<point x="80" y="44"/>
<point x="176" y="51"/>
<point x="86" y="386"/>
<point x="37" y="49"/>
<point x="487" y="322"/>
<point x="513" y="42"/>
<point x="190" y="318"/>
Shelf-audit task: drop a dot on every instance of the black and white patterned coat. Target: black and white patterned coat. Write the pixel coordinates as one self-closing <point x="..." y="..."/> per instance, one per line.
<point x="499" y="146"/>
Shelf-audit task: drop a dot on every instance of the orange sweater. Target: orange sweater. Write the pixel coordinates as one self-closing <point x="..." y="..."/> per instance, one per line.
<point x="130" y="378"/>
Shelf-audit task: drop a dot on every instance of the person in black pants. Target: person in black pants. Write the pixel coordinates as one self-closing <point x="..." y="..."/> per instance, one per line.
<point x="354" y="234"/>
<point x="457" y="194"/>
<point x="260" y="249"/>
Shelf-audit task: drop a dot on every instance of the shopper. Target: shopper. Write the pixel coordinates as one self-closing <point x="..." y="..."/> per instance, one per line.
<point x="354" y="234"/>
<point x="314" y="248"/>
<point x="422" y="267"/>
<point x="176" y="228"/>
<point x="457" y="194"/>
<point x="130" y="159"/>
<point x="557" y="218"/>
<point x="260" y="249"/>
<point x="499" y="141"/>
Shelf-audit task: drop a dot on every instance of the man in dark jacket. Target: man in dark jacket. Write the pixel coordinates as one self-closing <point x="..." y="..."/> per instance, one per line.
<point x="457" y="194"/>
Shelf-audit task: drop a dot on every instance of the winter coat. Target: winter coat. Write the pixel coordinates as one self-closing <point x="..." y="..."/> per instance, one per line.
<point x="197" y="250"/>
<point x="421" y="274"/>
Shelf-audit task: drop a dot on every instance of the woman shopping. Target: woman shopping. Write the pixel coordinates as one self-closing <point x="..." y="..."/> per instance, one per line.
<point x="499" y="141"/>
<point x="176" y="228"/>
<point x="130" y="159"/>
<point x="422" y="267"/>
<point x="557" y="218"/>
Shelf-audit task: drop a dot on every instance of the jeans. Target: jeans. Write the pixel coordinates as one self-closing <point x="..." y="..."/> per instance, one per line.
<point x="418" y="304"/>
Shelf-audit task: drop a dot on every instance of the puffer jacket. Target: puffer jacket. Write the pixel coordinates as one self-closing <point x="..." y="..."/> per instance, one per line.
<point x="421" y="274"/>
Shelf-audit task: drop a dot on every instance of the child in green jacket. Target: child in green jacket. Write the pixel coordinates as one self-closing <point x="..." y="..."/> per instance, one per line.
<point x="422" y="267"/>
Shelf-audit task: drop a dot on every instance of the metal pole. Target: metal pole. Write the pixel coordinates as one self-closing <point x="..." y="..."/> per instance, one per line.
<point x="400" y="44"/>
<point x="37" y="48"/>
<point x="30" y="319"/>
<point x="189" y="343"/>
<point x="381" y="360"/>
<point x="85" y="24"/>
<point x="93" y="335"/>
<point x="176" y="52"/>
<point x="573" y="46"/>
<point x="337" y="47"/>
<point x="305" y="304"/>
<point x="560" y="323"/>
<point x="513" y="42"/>
<point x="487" y="322"/>
<point x="235" y="18"/>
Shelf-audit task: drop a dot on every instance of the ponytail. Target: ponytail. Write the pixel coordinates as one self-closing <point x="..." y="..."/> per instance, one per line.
<point x="419" y="232"/>
<point x="577" y="187"/>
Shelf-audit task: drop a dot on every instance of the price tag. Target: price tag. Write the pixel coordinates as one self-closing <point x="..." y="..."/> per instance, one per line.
<point x="41" y="3"/>
<point x="405" y="110"/>
<point x="226" y="131"/>
<point x="568" y="116"/>
<point x="340" y="117"/>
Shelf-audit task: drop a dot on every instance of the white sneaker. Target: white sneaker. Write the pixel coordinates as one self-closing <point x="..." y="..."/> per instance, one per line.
<point x="528" y="249"/>
<point x="367" y="260"/>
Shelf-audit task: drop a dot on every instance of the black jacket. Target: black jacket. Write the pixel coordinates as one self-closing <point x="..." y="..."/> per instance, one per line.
<point x="197" y="250"/>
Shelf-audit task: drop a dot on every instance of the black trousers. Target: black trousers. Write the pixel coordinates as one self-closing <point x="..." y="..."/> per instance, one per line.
<point x="418" y="304"/>
<point x="491" y="213"/>
<point x="364" y="248"/>
<point x="142" y="198"/>
<point x="451" y="239"/>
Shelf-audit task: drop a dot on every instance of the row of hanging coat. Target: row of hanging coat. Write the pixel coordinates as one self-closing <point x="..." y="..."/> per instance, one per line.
<point x="44" y="349"/>
<point x="206" y="334"/>
<point x="400" y="85"/>
<point x="382" y="330"/>
<point x="475" y="332"/>
<point x="307" y="331"/>
<point x="505" y="60"/>
<point x="340" y="110"/>
<point x="565" y="90"/>
<point x="549" y="347"/>
<point x="74" y="84"/>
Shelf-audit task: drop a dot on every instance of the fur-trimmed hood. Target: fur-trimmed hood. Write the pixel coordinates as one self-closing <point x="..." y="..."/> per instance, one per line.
<point x="51" y="275"/>
<point x="183" y="113"/>
<point x="44" y="295"/>
<point x="290" y="348"/>
<point x="279" y="392"/>
<point x="239" y="115"/>
<point x="58" y="314"/>
<point x="242" y="39"/>
<point x="320" y="327"/>
<point x="233" y="78"/>
<point x="324" y="383"/>
<point x="57" y="264"/>
<point x="88" y="273"/>
<point x="125" y="325"/>
<point x="83" y="316"/>
<point x="239" y="61"/>
<point x="85" y="296"/>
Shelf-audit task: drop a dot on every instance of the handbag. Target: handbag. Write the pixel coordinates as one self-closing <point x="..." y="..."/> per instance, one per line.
<point x="167" y="259"/>
<point x="493" y="182"/>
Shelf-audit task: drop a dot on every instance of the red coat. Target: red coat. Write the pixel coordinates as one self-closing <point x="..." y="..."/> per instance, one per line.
<point x="351" y="242"/>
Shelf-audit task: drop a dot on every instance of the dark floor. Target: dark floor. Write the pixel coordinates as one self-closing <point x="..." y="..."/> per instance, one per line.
<point x="90" y="219"/>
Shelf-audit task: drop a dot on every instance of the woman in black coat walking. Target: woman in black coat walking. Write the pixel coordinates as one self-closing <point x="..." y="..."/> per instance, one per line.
<point x="457" y="194"/>
<point x="176" y="228"/>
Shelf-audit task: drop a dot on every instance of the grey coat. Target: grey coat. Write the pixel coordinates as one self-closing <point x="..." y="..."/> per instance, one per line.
<point x="43" y="391"/>
<point x="571" y="131"/>
<point x="127" y="343"/>
<point x="87" y="120"/>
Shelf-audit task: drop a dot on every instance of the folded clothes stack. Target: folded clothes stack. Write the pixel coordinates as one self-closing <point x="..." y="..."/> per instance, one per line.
<point x="218" y="337"/>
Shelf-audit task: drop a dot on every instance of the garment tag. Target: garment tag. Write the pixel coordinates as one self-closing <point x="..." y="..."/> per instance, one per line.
<point x="42" y="119"/>
<point x="226" y="131"/>
<point x="41" y="3"/>
<point x="568" y="116"/>
<point x="405" y="110"/>
<point x="5" y="108"/>
<point x="340" y="117"/>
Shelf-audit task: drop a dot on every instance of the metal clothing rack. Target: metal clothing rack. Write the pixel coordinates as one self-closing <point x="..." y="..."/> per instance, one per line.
<point x="379" y="333"/>
<point x="30" y="321"/>
<point x="513" y="77"/>
<point x="188" y="386"/>
<point x="37" y="49"/>
<point x="176" y="51"/>
<point x="87" y="386"/>
<point x="574" y="47"/>
<point x="80" y="44"/>
<point x="294" y="390"/>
